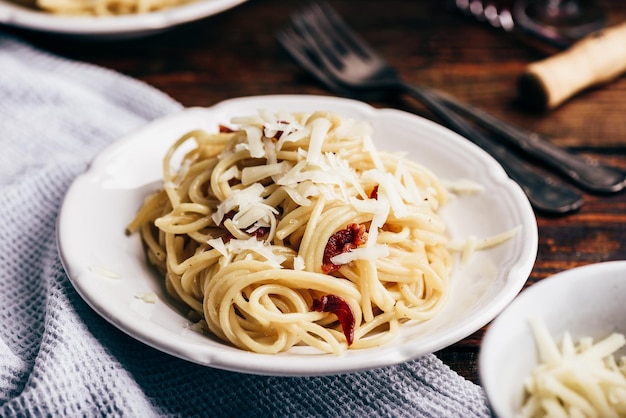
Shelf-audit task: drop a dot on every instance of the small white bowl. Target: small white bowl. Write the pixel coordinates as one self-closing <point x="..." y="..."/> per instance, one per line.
<point x="586" y="301"/>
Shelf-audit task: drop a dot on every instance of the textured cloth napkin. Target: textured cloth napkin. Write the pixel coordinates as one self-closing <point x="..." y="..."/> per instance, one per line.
<point x="57" y="356"/>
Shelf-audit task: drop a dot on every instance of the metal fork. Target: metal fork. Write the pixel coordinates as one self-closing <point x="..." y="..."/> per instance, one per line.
<point x="323" y="43"/>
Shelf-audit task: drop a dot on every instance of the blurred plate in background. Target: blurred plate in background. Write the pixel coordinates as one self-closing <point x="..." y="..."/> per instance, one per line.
<point x="110" y="27"/>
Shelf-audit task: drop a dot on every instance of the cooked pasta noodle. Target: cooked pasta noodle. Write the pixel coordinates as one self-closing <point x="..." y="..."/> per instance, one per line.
<point x="105" y="7"/>
<point x="292" y="229"/>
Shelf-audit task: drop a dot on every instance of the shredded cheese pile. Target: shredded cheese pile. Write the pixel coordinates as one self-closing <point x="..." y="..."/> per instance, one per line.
<point x="581" y="379"/>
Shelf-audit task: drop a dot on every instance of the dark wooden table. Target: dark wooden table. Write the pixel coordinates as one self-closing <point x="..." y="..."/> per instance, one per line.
<point x="235" y="54"/>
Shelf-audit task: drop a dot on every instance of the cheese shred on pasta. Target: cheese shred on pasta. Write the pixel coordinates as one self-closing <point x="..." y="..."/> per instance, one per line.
<point x="242" y="228"/>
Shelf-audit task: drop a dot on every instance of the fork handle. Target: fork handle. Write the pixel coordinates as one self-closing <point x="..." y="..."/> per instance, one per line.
<point x="545" y="193"/>
<point x="588" y="173"/>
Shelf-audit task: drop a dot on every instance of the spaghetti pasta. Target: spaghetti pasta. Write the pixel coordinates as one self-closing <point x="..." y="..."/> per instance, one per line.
<point x="105" y="7"/>
<point x="292" y="229"/>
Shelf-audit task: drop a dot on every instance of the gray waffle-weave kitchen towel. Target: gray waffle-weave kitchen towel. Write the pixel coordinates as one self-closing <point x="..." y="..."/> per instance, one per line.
<point x="60" y="359"/>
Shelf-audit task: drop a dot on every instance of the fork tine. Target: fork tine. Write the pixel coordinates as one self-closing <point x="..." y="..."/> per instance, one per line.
<point x="317" y="15"/>
<point x="346" y="34"/>
<point x="297" y="48"/>
<point x="331" y="32"/>
<point x="314" y="32"/>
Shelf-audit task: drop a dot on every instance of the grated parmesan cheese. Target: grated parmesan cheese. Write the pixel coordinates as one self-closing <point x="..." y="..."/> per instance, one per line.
<point x="254" y="135"/>
<point x="390" y="189"/>
<point x="147" y="297"/>
<point x="104" y="272"/>
<point x="471" y="244"/>
<point x="318" y="136"/>
<point x="241" y="199"/>
<point x="463" y="186"/>
<point x="253" y="245"/>
<point x="218" y="244"/>
<point x="257" y="173"/>
<point x="293" y="136"/>
<point x="581" y="379"/>
<point x="361" y="253"/>
<point x="258" y="247"/>
<point x="313" y="174"/>
<point x="270" y="151"/>
<point x="371" y="150"/>
<point x="411" y="193"/>
<point x="298" y="263"/>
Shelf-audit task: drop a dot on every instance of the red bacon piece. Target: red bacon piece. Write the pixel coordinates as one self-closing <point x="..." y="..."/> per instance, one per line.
<point x="341" y="242"/>
<point x="338" y="306"/>
<point x="374" y="193"/>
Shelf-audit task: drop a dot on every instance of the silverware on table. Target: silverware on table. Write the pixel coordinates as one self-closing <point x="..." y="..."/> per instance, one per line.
<point x="322" y="43"/>
<point x="587" y="173"/>
<point x="556" y="23"/>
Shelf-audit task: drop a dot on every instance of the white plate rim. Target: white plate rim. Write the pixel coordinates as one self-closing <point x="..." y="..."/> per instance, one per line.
<point x="233" y="359"/>
<point x="121" y="26"/>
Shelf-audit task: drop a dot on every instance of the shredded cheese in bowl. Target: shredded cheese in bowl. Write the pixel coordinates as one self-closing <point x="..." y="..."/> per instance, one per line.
<point x="575" y="378"/>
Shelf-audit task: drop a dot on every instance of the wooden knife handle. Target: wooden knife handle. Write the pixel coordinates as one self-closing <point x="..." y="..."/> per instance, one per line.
<point x="596" y="59"/>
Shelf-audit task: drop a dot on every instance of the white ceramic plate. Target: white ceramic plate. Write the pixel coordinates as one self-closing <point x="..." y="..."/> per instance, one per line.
<point x="125" y="26"/>
<point x="102" y="201"/>
<point x="585" y="301"/>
